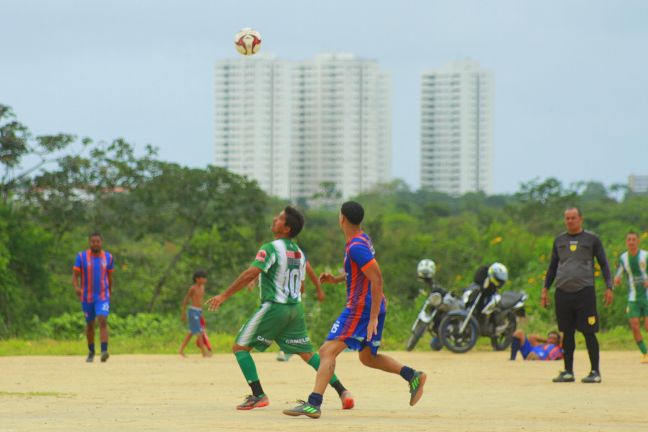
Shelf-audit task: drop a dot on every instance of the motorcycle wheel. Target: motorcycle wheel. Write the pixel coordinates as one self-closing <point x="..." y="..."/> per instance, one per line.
<point x="418" y="331"/>
<point x="501" y="342"/>
<point x="455" y="341"/>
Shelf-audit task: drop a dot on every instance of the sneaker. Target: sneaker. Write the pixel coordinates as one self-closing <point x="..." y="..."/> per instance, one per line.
<point x="304" y="408"/>
<point x="416" y="387"/>
<point x="283" y="357"/>
<point x="347" y="400"/>
<point x="90" y="358"/>
<point x="593" y="377"/>
<point x="564" y="376"/>
<point x="252" y="402"/>
<point x="104" y="356"/>
<point x="644" y="359"/>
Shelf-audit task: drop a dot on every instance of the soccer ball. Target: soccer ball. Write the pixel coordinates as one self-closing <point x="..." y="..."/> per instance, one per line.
<point x="247" y="41"/>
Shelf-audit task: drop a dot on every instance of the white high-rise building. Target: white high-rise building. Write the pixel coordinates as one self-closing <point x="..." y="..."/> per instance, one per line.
<point x="638" y="183"/>
<point x="252" y="120"/>
<point x="293" y="126"/>
<point x="457" y="128"/>
<point x="341" y="125"/>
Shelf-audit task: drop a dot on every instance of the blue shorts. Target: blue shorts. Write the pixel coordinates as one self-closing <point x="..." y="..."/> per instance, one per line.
<point x="526" y="348"/>
<point x="193" y="318"/>
<point x="352" y="330"/>
<point x="94" y="309"/>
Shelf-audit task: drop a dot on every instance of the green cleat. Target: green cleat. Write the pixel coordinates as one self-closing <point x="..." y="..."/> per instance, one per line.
<point x="252" y="402"/>
<point x="416" y="387"/>
<point x="304" y="408"/>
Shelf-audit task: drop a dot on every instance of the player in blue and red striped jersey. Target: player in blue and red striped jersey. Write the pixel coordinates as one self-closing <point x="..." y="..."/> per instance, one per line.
<point x="92" y="280"/>
<point x="534" y="347"/>
<point x="360" y="325"/>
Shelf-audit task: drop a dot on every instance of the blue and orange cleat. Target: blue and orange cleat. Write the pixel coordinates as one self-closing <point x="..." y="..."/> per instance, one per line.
<point x="347" y="400"/>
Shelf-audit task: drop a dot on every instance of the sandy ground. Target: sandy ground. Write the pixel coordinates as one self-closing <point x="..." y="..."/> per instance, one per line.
<point x="478" y="391"/>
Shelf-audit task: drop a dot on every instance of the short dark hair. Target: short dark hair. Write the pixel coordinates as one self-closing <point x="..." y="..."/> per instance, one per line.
<point x="634" y="233"/>
<point x="199" y="274"/>
<point x="554" y="332"/>
<point x="578" y="210"/>
<point x="294" y="220"/>
<point x="95" y="234"/>
<point x="353" y="211"/>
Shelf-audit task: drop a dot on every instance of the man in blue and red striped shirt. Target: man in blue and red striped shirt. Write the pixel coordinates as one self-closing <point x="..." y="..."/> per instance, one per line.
<point x="360" y="325"/>
<point x="92" y="280"/>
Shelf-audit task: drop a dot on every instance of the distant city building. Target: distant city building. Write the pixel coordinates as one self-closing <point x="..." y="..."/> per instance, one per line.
<point x="638" y="183"/>
<point x="341" y="125"/>
<point x="294" y="126"/>
<point x="252" y="120"/>
<point x="457" y="128"/>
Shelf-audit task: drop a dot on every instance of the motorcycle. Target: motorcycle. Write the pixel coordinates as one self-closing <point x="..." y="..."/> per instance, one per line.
<point x="495" y="318"/>
<point x="437" y="304"/>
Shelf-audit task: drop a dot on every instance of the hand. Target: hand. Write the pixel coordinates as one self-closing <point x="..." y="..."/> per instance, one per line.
<point x="79" y="293"/>
<point x="320" y="295"/>
<point x="544" y="298"/>
<point x="372" y="328"/>
<point x="617" y="281"/>
<point x="608" y="297"/>
<point x="327" y="278"/>
<point x="645" y="284"/>
<point x="184" y="318"/>
<point x="215" y="302"/>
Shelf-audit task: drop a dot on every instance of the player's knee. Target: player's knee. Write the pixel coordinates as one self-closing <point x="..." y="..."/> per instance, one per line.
<point x="103" y="322"/>
<point x="519" y="334"/>
<point x="366" y="358"/>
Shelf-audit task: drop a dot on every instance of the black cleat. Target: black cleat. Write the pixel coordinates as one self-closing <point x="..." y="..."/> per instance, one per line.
<point x="90" y="358"/>
<point x="104" y="356"/>
<point x="594" y="377"/>
<point x="564" y="376"/>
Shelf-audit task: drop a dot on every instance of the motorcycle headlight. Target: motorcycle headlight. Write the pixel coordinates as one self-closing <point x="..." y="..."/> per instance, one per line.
<point x="466" y="296"/>
<point x="436" y="299"/>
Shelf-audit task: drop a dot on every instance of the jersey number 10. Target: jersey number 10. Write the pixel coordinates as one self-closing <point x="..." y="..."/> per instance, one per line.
<point x="292" y="283"/>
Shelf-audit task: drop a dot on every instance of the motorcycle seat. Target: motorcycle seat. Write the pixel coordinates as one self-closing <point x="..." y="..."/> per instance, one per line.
<point x="510" y="298"/>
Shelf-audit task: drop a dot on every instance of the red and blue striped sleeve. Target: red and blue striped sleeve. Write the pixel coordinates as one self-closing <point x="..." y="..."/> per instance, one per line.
<point x="361" y="254"/>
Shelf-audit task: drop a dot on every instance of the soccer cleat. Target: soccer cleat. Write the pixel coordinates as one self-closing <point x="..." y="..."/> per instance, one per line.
<point x="90" y="358"/>
<point x="644" y="359"/>
<point x="252" y="402"/>
<point x="283" y="357"/>
<point x="304" y="408"/>
<point x="347" y="400"/>
<point x="104" y="356"/>
<point x="416" y="387"/>
<point x="564" y="376"/>
<point x="593" y="378"/>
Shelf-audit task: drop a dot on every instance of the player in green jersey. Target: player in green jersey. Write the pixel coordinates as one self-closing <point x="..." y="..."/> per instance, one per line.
<point x="281" y="268"/>
<point x="633" y="263"/>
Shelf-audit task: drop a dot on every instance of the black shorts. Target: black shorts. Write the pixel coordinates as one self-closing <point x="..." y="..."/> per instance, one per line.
<point x="577" y="310"/>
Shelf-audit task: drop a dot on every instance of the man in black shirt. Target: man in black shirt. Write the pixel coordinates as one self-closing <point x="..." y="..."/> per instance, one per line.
<point x="572" y="267"/>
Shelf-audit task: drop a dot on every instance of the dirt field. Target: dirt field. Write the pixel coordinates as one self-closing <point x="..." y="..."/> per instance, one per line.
<point x="476" y="392"/>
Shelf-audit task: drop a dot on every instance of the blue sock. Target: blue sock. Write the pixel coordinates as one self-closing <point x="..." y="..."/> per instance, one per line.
<point x="315" y="399"/>
<point x="91" y="348"/>
<point x="104" y="346"/>
<point x="515" y="347"/>
<point x="407" y="373"/>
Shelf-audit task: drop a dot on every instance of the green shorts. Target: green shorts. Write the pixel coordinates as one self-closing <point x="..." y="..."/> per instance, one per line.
<point x="275" y="322"/>
<point x="637" y="309"/>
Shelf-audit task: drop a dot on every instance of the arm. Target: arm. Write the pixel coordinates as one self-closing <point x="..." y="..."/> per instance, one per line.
<point x="617" y="276"/>
<point x="550" y="277"/>
<point x="374" y="275"/>
<point x="76" y="282"/>
<point x="184" y="304"/>
<point x="599" y="253"/>
<point x="313" y="277"/>
<point x="330" y="279"/>
<point x="110" y="283"/>
<point x="244" y="278"/>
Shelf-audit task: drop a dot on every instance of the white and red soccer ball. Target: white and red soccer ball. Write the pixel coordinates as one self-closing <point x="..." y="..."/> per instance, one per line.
<point x="247" y="41"/>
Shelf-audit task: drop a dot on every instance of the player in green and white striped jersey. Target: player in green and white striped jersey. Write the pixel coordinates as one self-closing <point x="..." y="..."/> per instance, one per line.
<point x="281" y="268"/>
<point x="633" y="263"/>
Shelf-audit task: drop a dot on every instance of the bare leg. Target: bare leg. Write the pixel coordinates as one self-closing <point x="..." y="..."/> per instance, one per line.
<point x="636" y="329"/>
<point x="103" y="328"/>
<point x="90" y="332"/>
<point x="184" y="344"/>
<point x="201" y="345"/>
<point x="379" y="361"/>
<point x="328" y="353"/>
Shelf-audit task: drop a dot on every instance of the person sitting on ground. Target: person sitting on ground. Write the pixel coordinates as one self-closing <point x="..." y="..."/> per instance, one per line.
<point x="534" y="347"/>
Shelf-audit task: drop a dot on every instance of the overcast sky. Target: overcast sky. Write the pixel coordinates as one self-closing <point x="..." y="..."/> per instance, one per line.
<point x="571" y="77"/>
